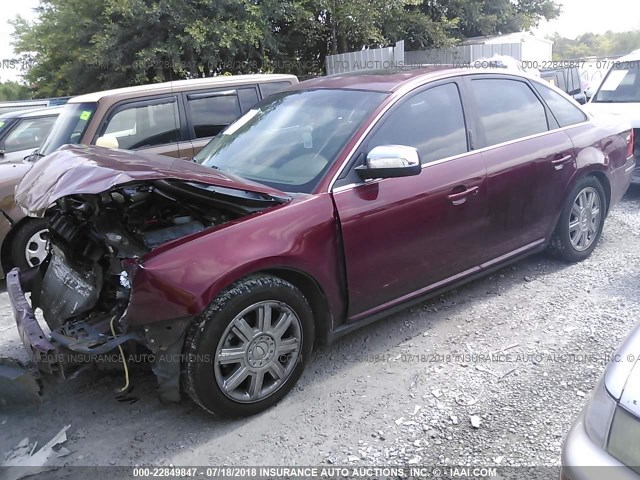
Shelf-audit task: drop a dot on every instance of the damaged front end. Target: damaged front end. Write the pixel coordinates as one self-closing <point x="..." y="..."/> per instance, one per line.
<point x="84" y="287"/>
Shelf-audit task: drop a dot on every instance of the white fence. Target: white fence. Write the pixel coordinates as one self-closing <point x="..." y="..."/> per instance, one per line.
<point x="396" y="57"/>
<point x="370" y="59"/>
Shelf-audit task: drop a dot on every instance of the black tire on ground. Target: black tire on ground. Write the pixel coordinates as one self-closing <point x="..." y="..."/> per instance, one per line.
<point x="20" y="241"/>
<point x="206" y="334"/>
<point x="561" y="245"/>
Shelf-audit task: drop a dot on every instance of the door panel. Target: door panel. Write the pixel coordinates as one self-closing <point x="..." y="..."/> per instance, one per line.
<point x="526" y="181"/>
<point x="403" y="234"/>
<point x="528" y="168"/>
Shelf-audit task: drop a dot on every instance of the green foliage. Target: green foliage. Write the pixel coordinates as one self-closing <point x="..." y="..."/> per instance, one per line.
<point x="608" y="44"/>
<point x="14" y="91"/>
<point x="77" y="46"/>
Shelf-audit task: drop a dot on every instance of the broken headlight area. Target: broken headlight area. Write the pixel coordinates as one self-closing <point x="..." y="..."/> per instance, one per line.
<point x="97" y="241"/>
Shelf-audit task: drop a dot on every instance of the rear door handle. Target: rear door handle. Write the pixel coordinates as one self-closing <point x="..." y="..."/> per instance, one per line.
<point x="461" y="197"/>
<point x="558" y="163"/>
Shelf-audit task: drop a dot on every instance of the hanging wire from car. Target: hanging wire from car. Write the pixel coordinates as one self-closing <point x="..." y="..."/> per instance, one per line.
<point x="125" y="388"/>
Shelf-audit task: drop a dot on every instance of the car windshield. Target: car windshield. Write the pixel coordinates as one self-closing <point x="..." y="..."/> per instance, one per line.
<point x="622" y="84"/>
<point x="290" y="140"/>
<point x="69" y="126"/>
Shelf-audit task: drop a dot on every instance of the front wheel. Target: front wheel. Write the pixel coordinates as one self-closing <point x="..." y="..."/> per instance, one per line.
<point x="581" y="221"/>
<point x="30" y="244"/>
<point x="249" y="348"/>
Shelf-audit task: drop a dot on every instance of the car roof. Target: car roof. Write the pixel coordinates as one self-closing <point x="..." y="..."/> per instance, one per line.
<point x="389" y="81"/>
<point x="221" y="81"/>
<point x="33" y="112"/>
<point x="630" y="57"/>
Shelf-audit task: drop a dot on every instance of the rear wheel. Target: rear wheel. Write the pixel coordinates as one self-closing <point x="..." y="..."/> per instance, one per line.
<point x="30" y="244"/>
<point x="581" y="221"/>
<point x="249" y="348"/>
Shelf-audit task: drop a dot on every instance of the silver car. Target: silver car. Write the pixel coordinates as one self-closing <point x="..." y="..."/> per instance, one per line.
<point x="23" y="131"/>
<point x="607" y="432"/>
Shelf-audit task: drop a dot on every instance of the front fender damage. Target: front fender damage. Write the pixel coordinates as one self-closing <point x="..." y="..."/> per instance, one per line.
<point x="90" y="287"/>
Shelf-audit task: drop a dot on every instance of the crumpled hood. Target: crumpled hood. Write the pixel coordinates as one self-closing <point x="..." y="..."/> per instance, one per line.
<point x="79" y="169"/>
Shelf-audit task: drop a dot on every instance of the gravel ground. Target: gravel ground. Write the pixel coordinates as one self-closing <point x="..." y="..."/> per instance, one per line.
<point x="492" y="373"/>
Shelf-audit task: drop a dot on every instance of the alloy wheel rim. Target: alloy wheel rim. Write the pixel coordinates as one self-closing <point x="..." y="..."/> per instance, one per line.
<point x="584" y="220"/>
<point x="258" y="351"/>
<point x="37" y="248"/>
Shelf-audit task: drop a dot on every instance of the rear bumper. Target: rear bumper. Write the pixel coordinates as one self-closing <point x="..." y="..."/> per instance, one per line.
<point x="584" y="460"/>
<point x="40" y="349"/>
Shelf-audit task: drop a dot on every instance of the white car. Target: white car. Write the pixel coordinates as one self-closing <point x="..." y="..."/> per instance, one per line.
<point x="619" y="94"/>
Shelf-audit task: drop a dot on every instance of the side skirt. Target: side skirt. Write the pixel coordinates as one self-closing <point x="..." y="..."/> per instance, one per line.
<point x="486" y="269"/>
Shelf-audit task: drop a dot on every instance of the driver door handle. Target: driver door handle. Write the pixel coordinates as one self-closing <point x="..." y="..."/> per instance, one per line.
<point x="460" y="197"/>
<point x="558" y="163"/>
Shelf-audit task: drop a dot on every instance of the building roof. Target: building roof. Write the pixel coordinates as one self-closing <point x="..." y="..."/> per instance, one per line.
<point x="516" y="37"/>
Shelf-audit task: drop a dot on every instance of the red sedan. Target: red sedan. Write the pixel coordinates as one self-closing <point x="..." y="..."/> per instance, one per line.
<point x="322" y="209"/>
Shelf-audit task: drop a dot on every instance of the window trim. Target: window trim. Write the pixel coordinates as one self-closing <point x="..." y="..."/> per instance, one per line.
<point x="143" y="101"/>
<point x="378" y="122"/>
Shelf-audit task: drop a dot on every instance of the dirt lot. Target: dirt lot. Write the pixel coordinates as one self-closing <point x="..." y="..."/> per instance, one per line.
<point x="402" y="391"/>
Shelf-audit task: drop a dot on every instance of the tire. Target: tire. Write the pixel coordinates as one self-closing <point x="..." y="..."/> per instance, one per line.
<point x="30" y="236"/>
<point x="218" y="346"/>
<point x="575" y="242"/>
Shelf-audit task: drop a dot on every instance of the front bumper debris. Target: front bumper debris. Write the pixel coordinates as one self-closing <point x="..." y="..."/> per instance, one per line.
<point x="42" y="352"/>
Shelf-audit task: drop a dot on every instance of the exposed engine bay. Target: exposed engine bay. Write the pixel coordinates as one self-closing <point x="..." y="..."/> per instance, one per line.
<point x="83" y="288"/>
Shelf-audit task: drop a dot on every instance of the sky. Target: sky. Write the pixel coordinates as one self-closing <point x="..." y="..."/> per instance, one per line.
<point x="577" y="17"/>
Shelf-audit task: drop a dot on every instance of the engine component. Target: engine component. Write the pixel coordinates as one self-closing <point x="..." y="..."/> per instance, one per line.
<point x="68" y="289"/>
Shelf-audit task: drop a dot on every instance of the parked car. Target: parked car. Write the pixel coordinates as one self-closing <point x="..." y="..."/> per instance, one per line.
<point x="21" y="132"/>
<point x="19" y="105"/>
<point x="619" y="94"/>
<point x="607" y="431"/>
<point x="321" y="209"/>
<point x="173" y="118"/>
<point x="566" y="79"/>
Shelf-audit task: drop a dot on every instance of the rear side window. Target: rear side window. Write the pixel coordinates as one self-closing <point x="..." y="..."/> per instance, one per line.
<point x="268" y="89"/>
<point x="142" y="125"/>
<point x="431" y="121"/>
<point x="508" y="109"/>
<point x="211" y="113"/>
<point x="248" y="98"/>
<point x="562" y="109"/>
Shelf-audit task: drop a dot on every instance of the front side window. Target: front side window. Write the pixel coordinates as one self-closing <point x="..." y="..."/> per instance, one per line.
<point x="289" y="140"/>
<point x="620" y="85"/>
<point x="431" y="121"/>
<point x="28" y="134"/>
<point x="212" y="113"/>
<point x="142" y="125"/>
<point x="562" y="109"/>
<point x="508" y="110"/>
<point x="69" y="127"/>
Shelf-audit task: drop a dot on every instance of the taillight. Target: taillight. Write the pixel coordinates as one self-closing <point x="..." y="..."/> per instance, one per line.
<point x="630" y="142"/>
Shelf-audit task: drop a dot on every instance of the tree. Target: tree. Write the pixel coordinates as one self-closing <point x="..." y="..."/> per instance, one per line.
<point x="14" y="91"/>
<point x="77" y="46"/>
<point x="608" y="44"/>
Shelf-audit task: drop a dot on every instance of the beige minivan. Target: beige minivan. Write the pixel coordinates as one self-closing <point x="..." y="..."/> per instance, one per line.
<point x="175" y="119"/>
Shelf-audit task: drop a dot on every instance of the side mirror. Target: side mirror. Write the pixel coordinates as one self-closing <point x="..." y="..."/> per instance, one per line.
<point x="107" y="141"/>
<point x="389" y="161"/>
